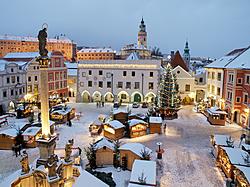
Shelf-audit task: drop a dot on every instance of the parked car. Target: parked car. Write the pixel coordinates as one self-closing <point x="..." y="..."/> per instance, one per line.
<point x="135" y="105"/>
<point x="144" y="105"/>
<point x="116" y="105"/>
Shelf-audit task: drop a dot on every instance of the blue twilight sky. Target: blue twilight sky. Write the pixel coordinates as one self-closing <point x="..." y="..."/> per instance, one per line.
<point x="212" y="27"/>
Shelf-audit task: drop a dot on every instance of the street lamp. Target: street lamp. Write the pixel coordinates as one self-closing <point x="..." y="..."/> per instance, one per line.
<point x="112" y="86"/>
<point x="142" y="75"/>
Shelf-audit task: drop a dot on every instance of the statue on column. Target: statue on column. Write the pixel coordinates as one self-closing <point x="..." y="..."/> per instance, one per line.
<point x="68" y="150"/>
<point x="42" y="38"/>
<point x="52" y="164"/>
<point x="25" y="162"/>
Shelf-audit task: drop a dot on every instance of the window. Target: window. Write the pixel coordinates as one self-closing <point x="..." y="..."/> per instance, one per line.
<point x="35" y="87"/>
<point x="12" y="70"/>
<point x="4" y="93"/>
<point x="245" y="95"/>
<point x="231" y="78"/>
<point x="100" y="72"/>
<point x="213" y="75"/>
<point x="90" y="72"/>
<point x="100" y="84"/>
<point x="178" y="72"/>
<point x="137" y="85"/>
<point x="119" y="85"/>
<point x="89" y="83"/>
<point x="213" y="89"/>
<point x="218" y="90"/>
<point x="50" y="76"/>
<point x="123" y="96"/>
<point x="17" y="78"/>
<point x="247" y="79"/>
<point x="187" y="87"/>
<point x="57" y="76"/>
<point x="133" y="73"/>
<point x="29" y="79"/>
<point x="108" y="75"/>
<point x="200" y="79"/>
<point x="11" y="92"/>
<point x="29" y="88"/>
<point x="128" y="85"/>
<point x="150" y="85"/>
<point x="209" y="75"/>
<point x="151" y="74"/>
<point x="124" y="73"/>
<point x="219" y="76"/>
<point x="13" y="79"/>
<point x="35" y="78"/>
<point x="83" y="74"/>
<point x="229" y="96"/>
<point x="108" y="84"/>
<point x="237" y="99"/>
<point x="8" y="80"/>
<point x="20" y="91"/>
<point x="239" y="81"/>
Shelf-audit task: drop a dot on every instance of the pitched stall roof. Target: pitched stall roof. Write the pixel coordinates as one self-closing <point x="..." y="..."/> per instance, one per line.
<point x="104" y="142"/>
<point x="115" y="124"/>
<point x="136" y="148"/>
<point x="134" y="122"/>
<point x="178" y="61"/>
<point x="155" y="120"/>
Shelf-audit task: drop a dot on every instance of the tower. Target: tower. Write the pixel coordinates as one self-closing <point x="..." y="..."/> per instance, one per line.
<point x="186" y="54"/>
<point x="142" y="35"/>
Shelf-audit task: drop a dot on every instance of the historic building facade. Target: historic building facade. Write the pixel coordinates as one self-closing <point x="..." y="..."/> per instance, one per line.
<point x="96" y="54"/>
<point x="12" y="84"/>
<point x="117" y="80"/>
<point x="10" y="44"/>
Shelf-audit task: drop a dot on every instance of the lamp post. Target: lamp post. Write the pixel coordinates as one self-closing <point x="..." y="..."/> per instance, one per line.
<point x="142" y="76"/>
<point x="112" y="85"/>
<point x="159" y="151"/>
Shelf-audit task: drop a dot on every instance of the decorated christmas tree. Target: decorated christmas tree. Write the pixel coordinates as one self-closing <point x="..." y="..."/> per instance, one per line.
<point x="168" y="100"/>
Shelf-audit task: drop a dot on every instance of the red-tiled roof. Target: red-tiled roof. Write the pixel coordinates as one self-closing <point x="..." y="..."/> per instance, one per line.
<point x="178" y="61"/>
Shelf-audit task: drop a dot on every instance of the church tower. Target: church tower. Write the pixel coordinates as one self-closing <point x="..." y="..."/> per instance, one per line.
<point x="186" y="54"/>
<point x="142" y="35"/>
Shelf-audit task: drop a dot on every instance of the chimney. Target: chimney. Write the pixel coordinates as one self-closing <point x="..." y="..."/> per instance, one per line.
<point x="172" y="55"/>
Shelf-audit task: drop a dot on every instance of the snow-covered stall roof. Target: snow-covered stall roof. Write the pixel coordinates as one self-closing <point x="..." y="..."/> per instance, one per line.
<point x="139" y="115"/>
<point x="246" y="146"/>
<point x="62" y="110"/>
<point x="97" y="122"/>
<point x="9" y="132"/>
<point x="221" y="139"/>
<point x="104" y="142"/>
<point x="215" y="111"/>
<point x="136" y="148"/>
<point x="115" y="124"/>
<point x="31" y="131"/>
<point x="134" y="122"/>
<point x="10" y="179"/>
<point x="87" y="179"/>
<point x="155" y="120"/>
<point x="236" y="156"/>
<point x="120" y="110"/>
<point x="145" y="167"/>
<point x="246" y="171"/>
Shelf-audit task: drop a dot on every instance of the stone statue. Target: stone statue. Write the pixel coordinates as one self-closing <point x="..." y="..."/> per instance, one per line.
<point x="52" y="164"/>
<point x="42" y="38"/>
<point x="25" y="162"/>
<point x="68" y="150"/>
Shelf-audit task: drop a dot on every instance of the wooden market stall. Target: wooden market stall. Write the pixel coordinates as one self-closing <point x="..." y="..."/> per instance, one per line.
<point x="96" y="127"/>
<point x="242" y="176"/>
<point x="30" y="135"/>
<point x="121" y="114"/>
<point x="229" y="158"/>
<point x="155" y="124"/>
<point x="148" y="169"/>
<point x="23" y="111"/>
<point x="129" y="152"/>
<point x="104" y="152"/>
<point x="216" y="116"/>
<point x="218" y="141"/>
<point x="8" y="138"/>
<point x="114" y="130"/>
<point x="62" y="113"/>
<point x="137" y="128"/>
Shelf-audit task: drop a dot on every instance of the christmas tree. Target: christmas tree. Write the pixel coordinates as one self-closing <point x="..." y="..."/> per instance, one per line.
<point x="168" y="101"/>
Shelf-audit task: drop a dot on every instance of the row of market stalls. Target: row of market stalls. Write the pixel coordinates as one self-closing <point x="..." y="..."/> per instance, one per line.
<point x="234" y="161"/>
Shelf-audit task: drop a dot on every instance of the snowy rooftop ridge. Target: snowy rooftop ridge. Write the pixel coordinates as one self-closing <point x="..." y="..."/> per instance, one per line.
<point x="96" y="50"/>
<point x="104" y="142"/>
<point x="155" y="120"/>
<point x="148" y="168"/>
<point x="34" y="39"/>
<point x="246" y="171"/>
<point x="134" y="122"/>
<point x="221" y="139"/>
<point x="115" y="124"/>
<point x="31" y="131"/>
<point x="136" y="148"/>
<point x="236" y="156"/>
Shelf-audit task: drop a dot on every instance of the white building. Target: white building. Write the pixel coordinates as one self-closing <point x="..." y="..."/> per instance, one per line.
<point x="12" y="84"/>
<point x="130" y="80"/>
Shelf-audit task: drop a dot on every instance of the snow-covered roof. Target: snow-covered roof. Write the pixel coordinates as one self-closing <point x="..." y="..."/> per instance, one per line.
<point x="115" y="124"/>
<point x="236" y="155"/>
<point x="246" y="146"/>
<point x="200" y="71"/>
<point x="71" y="65"/>
<point x="97" y="122"/>
<point x="2" y="64"/>
<point x="10" y="179"/>
<point x="155" y="120"/>
<point x="9" y="132"/>
<point x="133" y="56"/>
<point x="242" y="61"/>
<point x="134" y="46"/>
<point x="136" y="148"/>
<point x="215" y="110"/>
<point x="221" y="62"/>
<point x="31" y="131"/>
<point x="134" y="122"/>
<point x="145" y="167"/>
<point x="139" y="115"/>
<point x="246" y="171"/>
<point x="61" y="39"/>
<point x="63" y="110"/>
<point x="104" y="142"/>
<point x="22" y="55"/>
<point x="87" y="179"/>
<point x="120" y="110"/>
<point x="96" y="50"/>
<point x="221" y="139"/>
<point x="72" y="72"/>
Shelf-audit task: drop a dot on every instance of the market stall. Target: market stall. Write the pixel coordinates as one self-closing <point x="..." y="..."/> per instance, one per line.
<point x="137" y="128"/>
<point x="155" y="124"/>
<point x="121" y="114"/>
<point x="114" y="130"/>
<point x="242" y="176"/>
<point x="62" y="113"/>
<point x="30" y="135"/>
<point x="95" y="128"/>
<point x="216" y="116"/>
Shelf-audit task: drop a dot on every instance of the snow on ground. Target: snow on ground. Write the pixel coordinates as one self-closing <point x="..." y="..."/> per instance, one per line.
<point x="186" y="161"/>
